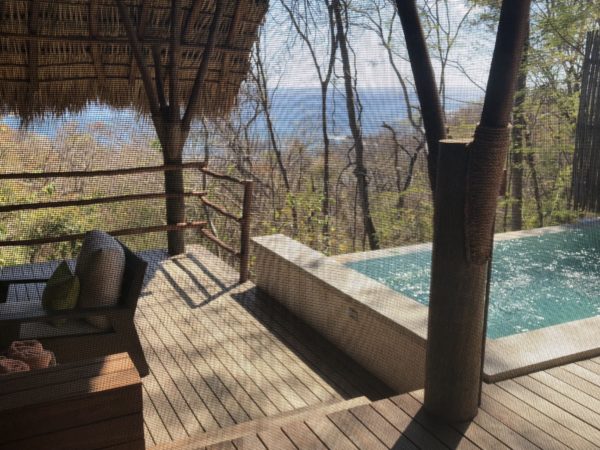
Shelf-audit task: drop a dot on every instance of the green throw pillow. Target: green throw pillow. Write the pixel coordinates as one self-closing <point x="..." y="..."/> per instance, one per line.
<point x="61" y="291"/>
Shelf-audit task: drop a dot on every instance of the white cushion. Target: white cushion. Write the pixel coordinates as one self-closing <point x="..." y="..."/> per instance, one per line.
<point x="100" y="266"/>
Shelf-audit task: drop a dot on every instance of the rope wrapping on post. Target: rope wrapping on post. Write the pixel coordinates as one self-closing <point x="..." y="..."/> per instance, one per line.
<point x="487" y="156"/>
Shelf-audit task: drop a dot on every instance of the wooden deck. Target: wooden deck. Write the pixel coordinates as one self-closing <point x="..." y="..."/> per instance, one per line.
<point x="219" y="354"/>
<point x="553" y="409"/>
<point x="223" y="359"/>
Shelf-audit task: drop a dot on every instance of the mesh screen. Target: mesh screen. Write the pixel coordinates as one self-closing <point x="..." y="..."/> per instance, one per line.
<point x="317" y="186"/>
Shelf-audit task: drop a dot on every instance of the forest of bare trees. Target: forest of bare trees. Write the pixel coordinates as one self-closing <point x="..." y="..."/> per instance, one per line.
<point x="366" y="186"/>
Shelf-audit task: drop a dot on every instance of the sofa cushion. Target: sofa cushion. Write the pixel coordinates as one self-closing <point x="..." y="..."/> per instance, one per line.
<point x="100" y="266"/>
<point x="61" y="291"/>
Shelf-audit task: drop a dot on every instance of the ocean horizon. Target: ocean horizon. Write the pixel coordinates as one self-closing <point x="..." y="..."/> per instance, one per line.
<point x="296" y="113"/>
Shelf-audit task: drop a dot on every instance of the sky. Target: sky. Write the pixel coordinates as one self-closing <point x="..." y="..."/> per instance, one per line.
<point x="472" y="49"/>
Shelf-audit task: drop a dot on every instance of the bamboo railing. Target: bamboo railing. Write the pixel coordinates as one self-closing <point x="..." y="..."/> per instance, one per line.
<point x="243" y="254"/>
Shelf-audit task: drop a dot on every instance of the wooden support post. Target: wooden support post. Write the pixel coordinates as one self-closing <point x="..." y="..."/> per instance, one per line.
<point x="469" y="178"/>
<point x="457" y="298"/>
<point x="175" y="202"/>
<point x="245" y="237"/>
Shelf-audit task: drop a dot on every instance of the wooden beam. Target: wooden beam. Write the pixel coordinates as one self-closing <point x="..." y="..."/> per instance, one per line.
<point x="137" y="51"/>
<point x="158" y="76"/>
<point x="33" y="46"/>
<point x="95" y="48"/>
<point x="203" y="69"/>
<point x="174" y="62"/>
<point x="144" y="15"/>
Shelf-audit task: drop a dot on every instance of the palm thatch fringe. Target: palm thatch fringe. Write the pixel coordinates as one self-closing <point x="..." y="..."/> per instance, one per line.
<point x="60" y="55"/>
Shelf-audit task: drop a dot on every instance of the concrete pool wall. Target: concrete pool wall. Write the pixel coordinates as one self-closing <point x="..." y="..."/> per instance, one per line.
<point x="386" y="331"/>
<point x="377" y="327"/>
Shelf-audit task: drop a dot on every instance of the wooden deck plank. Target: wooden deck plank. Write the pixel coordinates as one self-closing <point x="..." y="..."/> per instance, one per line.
<point x="590" y="365"/>
<point x="503" y="433"/>
<point x="270" y="388"/>
<point x="583" y="398"/>
<point x="576" y="382"/>
<point x="285" y="356"/>
<point x="172" y="387"/>
<point x="546" y="406"/>
<point x="274" y="316"/>
<point x="195" y="406"/>
<point x="148" y="439"/>
<point x="584" y="373"/>
<point x="542" y="421"/>
<point x="472" y="430"/>
<point x="361" y="380"/>
<point x="286" y="332"/>
<point x="302" y="436"/>
<point x="164" y="408"/>
<point x="152" y="419"/>
<point x="519" y="425"/>
<point x="312" y="388"/>
<point x="210" y="411"/>
<point x="572" y="407"/>
<point x="207" y="360"/>
<point x="251" y="442"/>
<point x="384" y="430"/>
<point x="446" y="434"/>
<point x="329" y="434"/>
<point x="276" y="440"/>
<point x="356" y="431"/>
<point x="203" y="337"/>
<point x="284" y="384"/>
<point x="407" y="426"/>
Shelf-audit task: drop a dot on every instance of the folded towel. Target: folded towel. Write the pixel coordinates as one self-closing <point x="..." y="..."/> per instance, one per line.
<point x="30" y="352"/>
<point x="8" y="365"/>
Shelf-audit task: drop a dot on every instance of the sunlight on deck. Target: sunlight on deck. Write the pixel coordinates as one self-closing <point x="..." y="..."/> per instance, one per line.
<point x="220" y="355"/>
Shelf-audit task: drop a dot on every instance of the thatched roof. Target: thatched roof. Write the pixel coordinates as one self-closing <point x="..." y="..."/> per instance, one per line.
<point x="58" y="55"/>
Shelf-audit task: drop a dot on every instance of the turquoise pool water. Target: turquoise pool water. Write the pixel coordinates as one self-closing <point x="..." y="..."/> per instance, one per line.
<point x="537" y="281"/>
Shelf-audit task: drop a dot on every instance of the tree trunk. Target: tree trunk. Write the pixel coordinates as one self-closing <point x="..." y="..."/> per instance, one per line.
<point x="519" y="142"/>
<point x="172" y="139"/>
<point x="360" y="171"/>
<point x="536" y="189"/>
<point x="325" y="203"/>
<point x="516" y="172"/>
<point x="424" y="76"/>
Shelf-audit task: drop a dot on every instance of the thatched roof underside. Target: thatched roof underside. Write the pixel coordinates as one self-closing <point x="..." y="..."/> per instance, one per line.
<point x="60" y="55"/>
